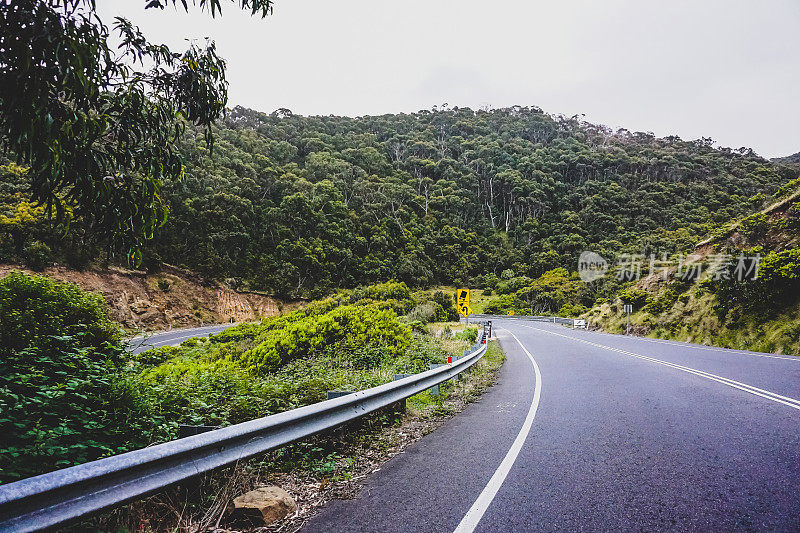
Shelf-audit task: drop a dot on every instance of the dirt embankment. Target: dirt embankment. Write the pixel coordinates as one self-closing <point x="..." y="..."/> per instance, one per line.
<point x="173" y="297"/>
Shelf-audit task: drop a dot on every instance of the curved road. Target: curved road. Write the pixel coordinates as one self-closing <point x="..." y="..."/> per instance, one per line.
<point x="173" y="337"/>
<point x="594" y="432"/>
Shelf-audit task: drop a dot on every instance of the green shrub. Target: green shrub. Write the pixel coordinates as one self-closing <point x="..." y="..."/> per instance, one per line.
<point x="57" y="408"/>
<point x="365" y="358"/>
<point x="447" y="311"/>
<point x="777" y="284"/>
<point x="187" y="391"/>
<point x="572" y="310"/>
<point x="391" y="290"/>
<point x="348" y="325"/>
<point x="37" y="256"/>
<point x="265" y="357"/>
<point x="667" y="296"/>
<point x="156" y="356"/>
<point x="755" y="226"/>
<point x="635" y="297"/>
<point x="501" y="305"/>
<point x="418" y="326"/>
<point x="34" y="309"/>
<point x="59" y="359"/>
<point x="239" y="333"/>
<point x="425" y="312"/>
<point x="468" y="334"/>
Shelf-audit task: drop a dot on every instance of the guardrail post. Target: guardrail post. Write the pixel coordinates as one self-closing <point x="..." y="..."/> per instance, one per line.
<point x="435" y="389"/>
<point x="402" y="403"/>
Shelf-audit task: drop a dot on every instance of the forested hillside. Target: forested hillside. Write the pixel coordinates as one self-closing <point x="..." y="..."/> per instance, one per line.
<point x="304" y="204"/>
<point x="298" y="206"/>
<point x="760" y="312"/>
<point x="794" y="158"/>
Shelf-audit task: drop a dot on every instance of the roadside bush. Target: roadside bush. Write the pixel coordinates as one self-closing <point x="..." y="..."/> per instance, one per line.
<point x="239" y="333"/>
<point x="156" y="356"/>
<point x="59" y="359"/>
<point x="425" y="312"/>
<point x="447" y="311"/>
<point x="777" y="285"/>
<point x="57" y="408"/>
<point x="35" y="309"/>
<point x="391" y="290"/>
<point x="418" y="326"/>
<point x="551" y="291"/>
<point x="37" y="256"/>
<point x="635" y="297"/>
<point x="501" y="305"/>
<point x="189" y="391"/>
<point x="468" y="334"/>
<point x="347" y="325"/>
<point x="366" y="358"/>
<point x="390" y="295"/>
<point x="667" y="296"/>
<point x="572" y="310"/>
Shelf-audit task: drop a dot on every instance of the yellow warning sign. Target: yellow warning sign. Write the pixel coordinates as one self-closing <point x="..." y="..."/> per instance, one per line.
<point x="510" y="313"/>
<point x="462" y="302"/>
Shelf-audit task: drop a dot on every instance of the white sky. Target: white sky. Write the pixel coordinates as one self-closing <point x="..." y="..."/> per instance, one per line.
<point x="725" y="69"/>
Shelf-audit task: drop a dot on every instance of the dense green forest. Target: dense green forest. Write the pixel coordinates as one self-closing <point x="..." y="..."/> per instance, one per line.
<point x="299" y="206"/>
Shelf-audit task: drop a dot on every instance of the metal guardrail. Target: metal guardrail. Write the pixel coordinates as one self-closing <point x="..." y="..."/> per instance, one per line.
<point x="59" y="497"/>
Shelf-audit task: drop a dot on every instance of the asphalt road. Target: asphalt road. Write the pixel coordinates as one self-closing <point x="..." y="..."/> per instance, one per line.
<point x="173" y="337"/>
<point x="597" y="432"/>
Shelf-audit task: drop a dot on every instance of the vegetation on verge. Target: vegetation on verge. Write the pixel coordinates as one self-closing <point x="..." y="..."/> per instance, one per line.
<point x="759" y="312"/>
<point x="59" y="358"/>
<point x="70" y="393"/>
<point x="314" y="470"/>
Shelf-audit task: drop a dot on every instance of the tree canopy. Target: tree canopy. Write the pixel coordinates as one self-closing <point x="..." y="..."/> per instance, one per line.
<point x="301" y="205"/>
<point x="95" y="111"/>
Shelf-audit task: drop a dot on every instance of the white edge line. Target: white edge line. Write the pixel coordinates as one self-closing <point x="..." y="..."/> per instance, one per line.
<point x="785" y="400"/>
<point x="475" y="513"/>
<point x="693" y="346"/>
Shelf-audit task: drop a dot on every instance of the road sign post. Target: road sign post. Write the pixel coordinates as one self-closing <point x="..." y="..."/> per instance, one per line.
<point x="628" y="311"/>
<point x="462" y="303"/>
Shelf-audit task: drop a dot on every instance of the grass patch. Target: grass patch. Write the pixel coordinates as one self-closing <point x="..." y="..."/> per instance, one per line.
<point x="692" y="318"/>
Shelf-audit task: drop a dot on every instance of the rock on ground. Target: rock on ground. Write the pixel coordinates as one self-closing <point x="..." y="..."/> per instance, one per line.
<point x="273" y="503"/>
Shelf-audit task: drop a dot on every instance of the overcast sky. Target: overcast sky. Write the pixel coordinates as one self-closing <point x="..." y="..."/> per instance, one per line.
<point x="728" y="69"/>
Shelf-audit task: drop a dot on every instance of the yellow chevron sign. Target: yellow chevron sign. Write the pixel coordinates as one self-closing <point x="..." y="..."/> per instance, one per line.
<point x="462" y="302"/>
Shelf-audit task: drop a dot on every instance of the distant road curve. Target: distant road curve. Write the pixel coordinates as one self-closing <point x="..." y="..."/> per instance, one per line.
<point x="173" y="337"/>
